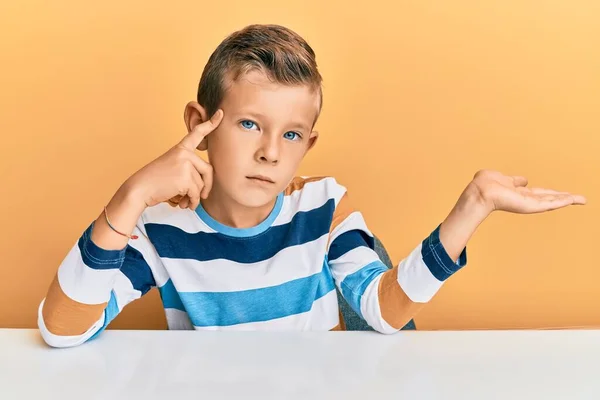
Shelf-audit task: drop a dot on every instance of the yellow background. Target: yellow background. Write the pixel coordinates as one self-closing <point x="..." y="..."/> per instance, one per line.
<point x="418" y="96"/>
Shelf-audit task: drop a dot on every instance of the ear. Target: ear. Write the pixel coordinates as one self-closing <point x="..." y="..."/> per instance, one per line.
<point x="193" y="116"/>
<point x="312" y="139"/>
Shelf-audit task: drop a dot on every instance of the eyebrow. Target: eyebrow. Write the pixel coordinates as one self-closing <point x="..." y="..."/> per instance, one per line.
<point x="258" y="115"/>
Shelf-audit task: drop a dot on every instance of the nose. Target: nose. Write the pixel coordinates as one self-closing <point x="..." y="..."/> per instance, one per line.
<point x="268" y="151"/>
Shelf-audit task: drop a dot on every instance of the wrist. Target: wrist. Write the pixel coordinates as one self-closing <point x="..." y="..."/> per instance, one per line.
<point x="473" y="205"/>
<point x="123" y="211"/>
<point x="129" y="196"/>
<point x="469" y="212"/>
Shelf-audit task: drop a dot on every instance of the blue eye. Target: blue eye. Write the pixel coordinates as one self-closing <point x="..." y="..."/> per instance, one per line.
<point x="291" y="135"/>
<point x="247" y="124"/>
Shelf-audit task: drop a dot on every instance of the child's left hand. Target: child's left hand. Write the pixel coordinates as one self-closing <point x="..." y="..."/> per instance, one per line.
<point x="493" y="191"/>
<point x="509" y="193"/>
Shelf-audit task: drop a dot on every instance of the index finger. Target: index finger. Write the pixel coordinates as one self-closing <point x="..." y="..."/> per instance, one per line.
<point x="195" y="137"/>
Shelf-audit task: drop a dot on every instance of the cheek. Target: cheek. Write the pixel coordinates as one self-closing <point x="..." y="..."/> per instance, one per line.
<point x="295" y="155"/>
<point x="232" y="140"/>
<point x="228" y="151"/>
<point x="291" y="162"/>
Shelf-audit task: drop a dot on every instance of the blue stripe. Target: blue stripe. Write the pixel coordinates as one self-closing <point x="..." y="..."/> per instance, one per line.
<point x="354" y="285"/>
<point x="110" y="312"/>
<point x="241" y="232"/>
<point x="96" y="257"/>
<point x="348" y="241"/>
<point x="264" y="304"/>
<point x="172" y="242"/>
<point x="437" y="259"/>
<point x="170" y="297"/>
<point x="137" y="270"/>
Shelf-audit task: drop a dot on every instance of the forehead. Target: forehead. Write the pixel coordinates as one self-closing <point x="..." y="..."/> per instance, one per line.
<point x="255" y="92"/>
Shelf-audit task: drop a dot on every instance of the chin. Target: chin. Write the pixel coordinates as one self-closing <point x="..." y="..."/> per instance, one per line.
<point x="254" y="198"/>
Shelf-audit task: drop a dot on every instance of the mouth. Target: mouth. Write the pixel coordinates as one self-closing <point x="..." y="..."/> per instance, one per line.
<point x="260" y="178"/>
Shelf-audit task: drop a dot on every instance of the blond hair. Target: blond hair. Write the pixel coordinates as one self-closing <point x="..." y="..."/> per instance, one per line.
<point x="283" y="55"/>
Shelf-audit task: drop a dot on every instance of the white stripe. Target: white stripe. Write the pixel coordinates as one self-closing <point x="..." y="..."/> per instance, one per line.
<point x="124" y="291"/>
<point x="228" y="276"/>
<point x="416" y="279"/>
<point x="323" y="316"/>
<point x="186" y="220"/>
<point x="65" y="341"/>
<point x="370" y="309"/>
<point x="313" y="195"/>
<point x="178" y="320"/>
<point x="354" y="221"/>
<point x="82" y="283"/>
<point x="351" y="262"/>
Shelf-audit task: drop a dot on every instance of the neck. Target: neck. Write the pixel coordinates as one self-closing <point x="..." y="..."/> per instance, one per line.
<point x="227" y="211"/>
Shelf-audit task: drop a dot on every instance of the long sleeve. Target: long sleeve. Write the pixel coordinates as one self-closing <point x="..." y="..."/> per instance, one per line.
<point x="385" y="298"/>
<point x="92" y="286"/>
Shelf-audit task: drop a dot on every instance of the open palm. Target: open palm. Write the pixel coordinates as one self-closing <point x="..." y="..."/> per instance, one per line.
<point x="510" y="193"/>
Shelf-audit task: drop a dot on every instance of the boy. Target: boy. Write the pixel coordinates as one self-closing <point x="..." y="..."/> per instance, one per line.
<point x="241" y="243"/>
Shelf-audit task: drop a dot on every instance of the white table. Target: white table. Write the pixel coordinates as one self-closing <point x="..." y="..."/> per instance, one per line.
<point x="333" y="365"/>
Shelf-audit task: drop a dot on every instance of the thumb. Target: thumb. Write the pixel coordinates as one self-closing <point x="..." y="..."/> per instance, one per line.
<point x="195" y="137"/>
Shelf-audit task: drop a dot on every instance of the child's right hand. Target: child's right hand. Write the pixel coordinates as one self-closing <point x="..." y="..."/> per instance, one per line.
<point x="177" y="173"/>
<point x="178" y="176"/>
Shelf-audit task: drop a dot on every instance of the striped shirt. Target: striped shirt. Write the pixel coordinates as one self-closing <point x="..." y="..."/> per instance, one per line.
<point x="279" y="275"/>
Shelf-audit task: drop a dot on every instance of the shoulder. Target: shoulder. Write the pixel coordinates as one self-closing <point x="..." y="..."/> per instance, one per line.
<point x="316" y="188"/>
<point x="314" y="197"/>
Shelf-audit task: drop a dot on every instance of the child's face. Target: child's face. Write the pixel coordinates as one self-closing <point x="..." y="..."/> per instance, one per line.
<point x="265" y="132"/>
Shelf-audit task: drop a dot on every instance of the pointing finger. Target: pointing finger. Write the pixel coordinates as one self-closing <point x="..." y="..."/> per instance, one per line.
<point x="195" y="137"/>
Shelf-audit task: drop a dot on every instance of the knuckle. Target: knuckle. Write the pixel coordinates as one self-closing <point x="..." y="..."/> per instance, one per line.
<point x="178" y="149"/>
<point x="188" y="166"/>
<point x="482" y="173"/>
<point x="181" y="154"/>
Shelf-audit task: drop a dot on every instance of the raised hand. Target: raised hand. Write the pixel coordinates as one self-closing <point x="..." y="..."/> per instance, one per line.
<point x="179" y="176"/>
<point x="510" y="193"/>
<point x="493" y="191"/>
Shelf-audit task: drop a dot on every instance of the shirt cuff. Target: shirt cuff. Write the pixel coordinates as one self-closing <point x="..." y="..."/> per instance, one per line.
<point x="437" y="259"/>
<point x="96" y="257"/>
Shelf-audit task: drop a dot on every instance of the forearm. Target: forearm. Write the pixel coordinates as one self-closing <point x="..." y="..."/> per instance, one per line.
<point x="124" y="210"/>
<point x="403" y="290"/>
<point x="92" y="286"/>
<point x="396" y="308"/>
<point x="462" y="222"/>
<point x="75" y="304"/>
<point x="82" y="287"/>
<point x="388" y="299"/>
<point x="64" y="316"/>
